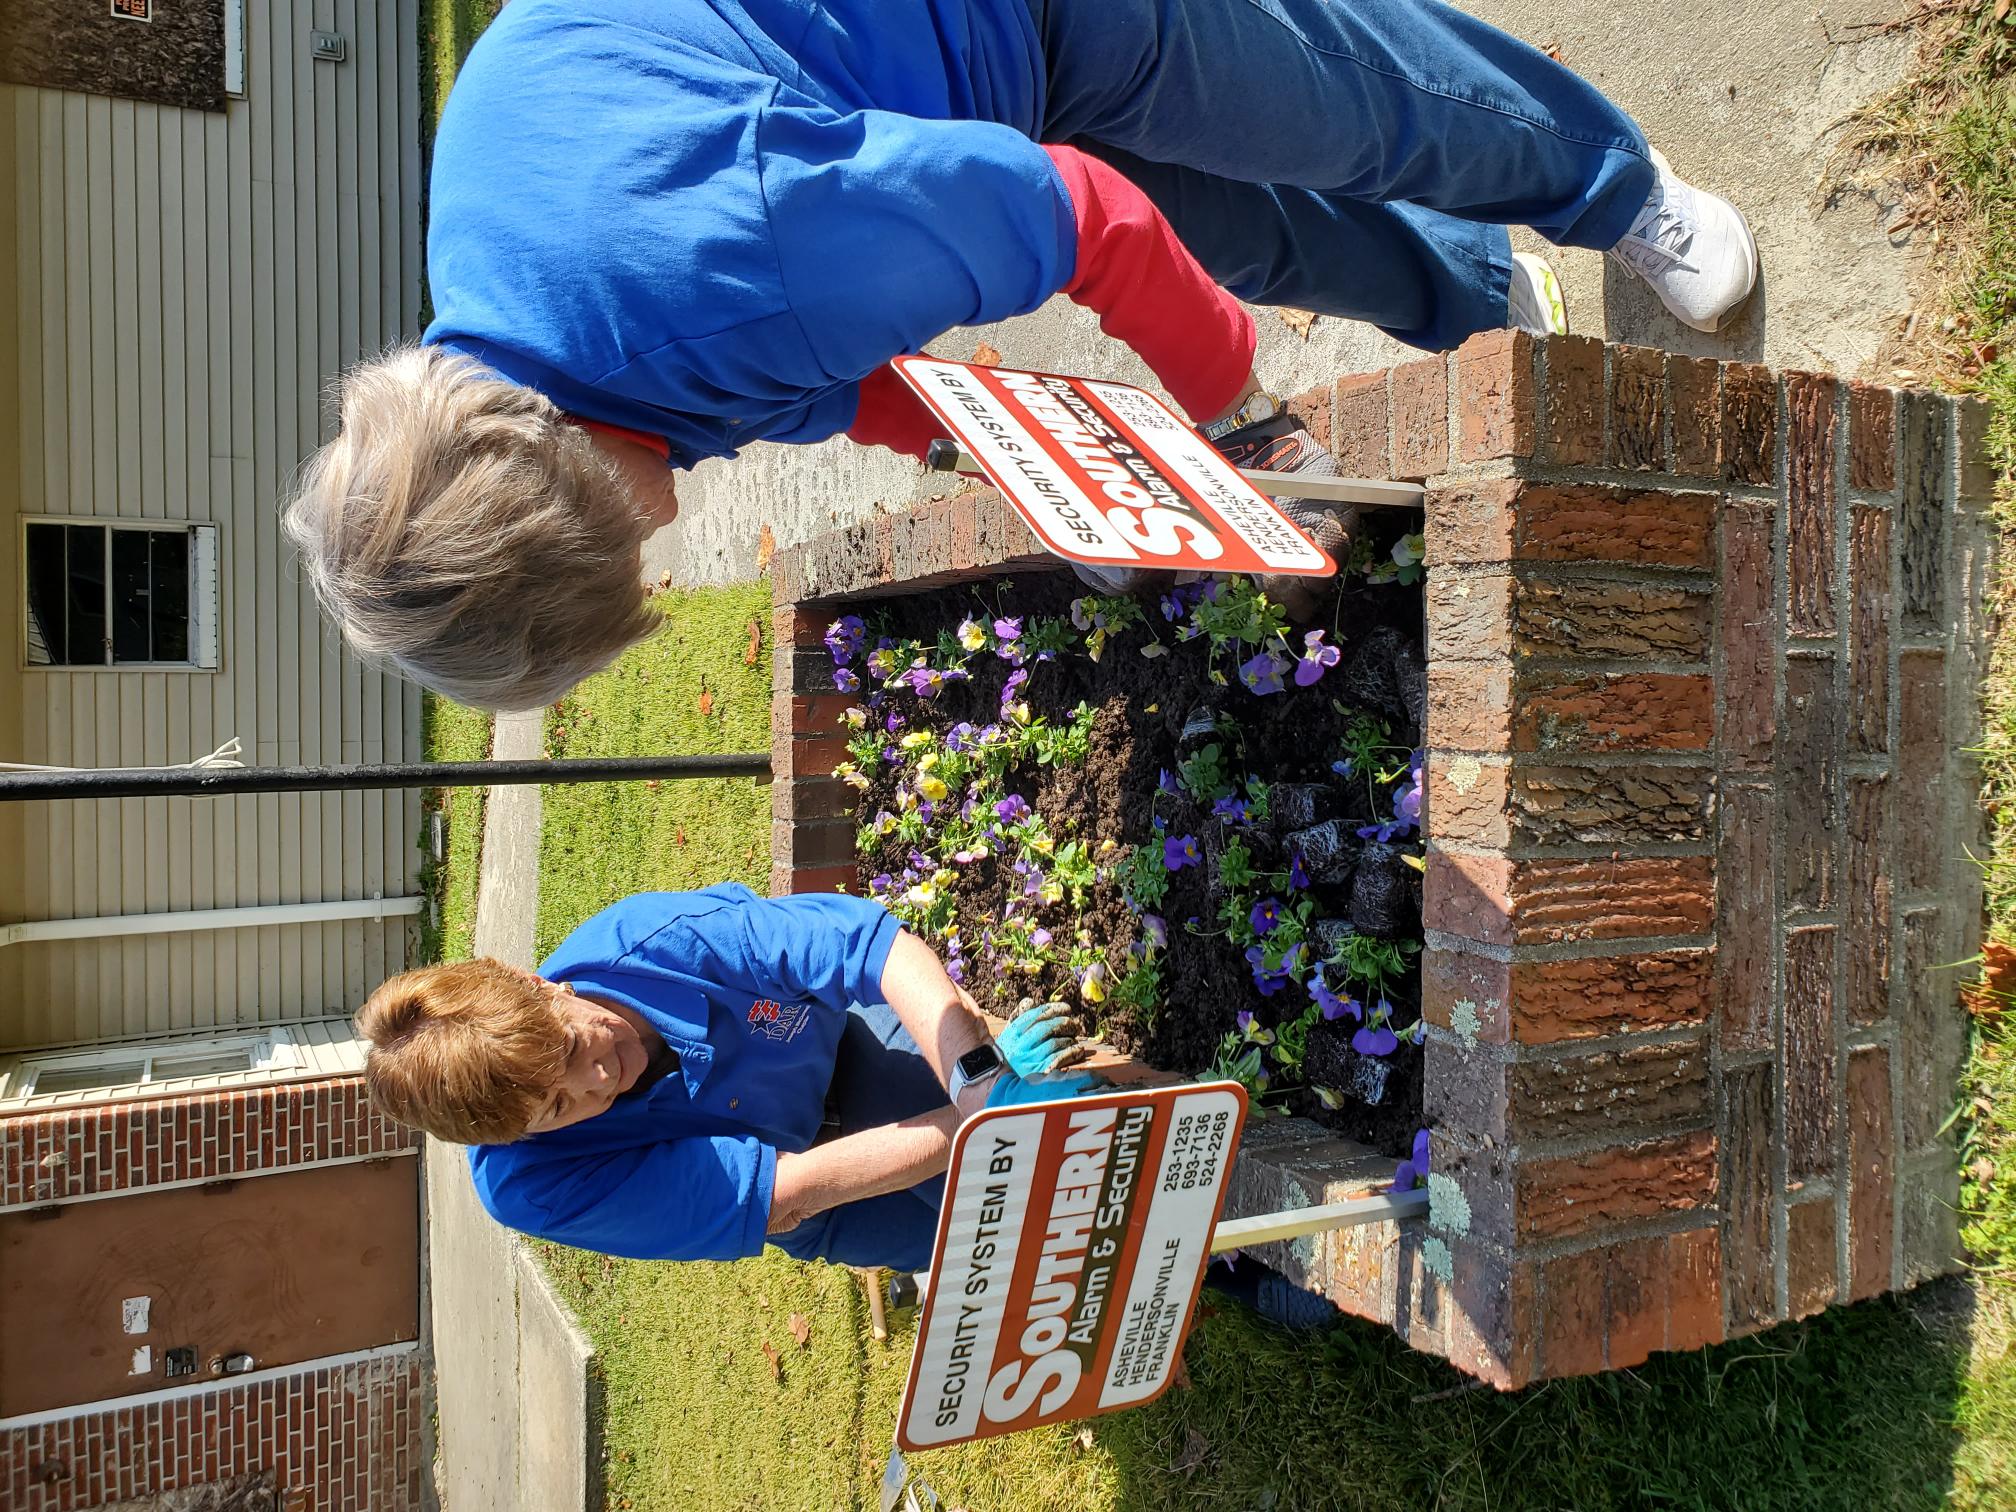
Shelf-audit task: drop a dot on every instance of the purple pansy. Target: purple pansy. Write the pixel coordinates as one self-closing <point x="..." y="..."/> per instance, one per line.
<point x="1040" y="938"/>
<point x="1179" y="851"/>
<point x="924" y="681"/>
<point x="1231" y="810"/>
<point x="1166" y="782"/>
<point x="846" y="679"/>
<point x="1375" y="1041"/>
<point x="1331" y="1005"/>
<point x="1298" y="877"/>
<point x="1266" y="914"/>
<point x="1155" y="930"/>
<point x="1406" y="810"/>
<point x="894" y="722"/>
<point x="1316" y="659"/>
<point x="1012" y="808"/>
<point x="1271" y="979"/>
<point x="1010" y="688"/>
<point x="1262" y="673"/>
<point x="844" y="637"/>
<point x="1412" y="1171"/>
<point x="882" y="663"/>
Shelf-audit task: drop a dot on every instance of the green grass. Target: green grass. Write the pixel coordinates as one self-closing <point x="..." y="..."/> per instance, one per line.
<point x="450" y="732"/>
<point x="604" y="841"/>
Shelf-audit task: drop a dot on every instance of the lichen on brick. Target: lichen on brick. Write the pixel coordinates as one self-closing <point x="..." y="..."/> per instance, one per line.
<point x="1448" y="1208"/>
<point x="1435" y="1259"/>
<point x="1464" y="772"/>
<point x="1465" y="1022"/>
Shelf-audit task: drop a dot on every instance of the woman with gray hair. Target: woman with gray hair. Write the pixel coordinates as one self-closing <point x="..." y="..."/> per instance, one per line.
<point x="661" y="230"/>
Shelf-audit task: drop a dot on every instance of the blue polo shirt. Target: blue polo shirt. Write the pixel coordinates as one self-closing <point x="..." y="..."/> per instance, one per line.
<point x="708" y="219"/>
<point x="753" y="994"/>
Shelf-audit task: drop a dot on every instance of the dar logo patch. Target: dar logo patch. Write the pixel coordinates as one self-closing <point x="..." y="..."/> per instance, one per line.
<point x="778" y="1022"/>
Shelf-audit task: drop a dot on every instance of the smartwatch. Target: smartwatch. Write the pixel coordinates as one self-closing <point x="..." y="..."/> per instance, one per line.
<point x="975" y="1066"/>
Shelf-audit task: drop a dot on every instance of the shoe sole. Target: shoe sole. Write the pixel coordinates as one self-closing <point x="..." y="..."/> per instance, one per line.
<point x="1551" y="293"/>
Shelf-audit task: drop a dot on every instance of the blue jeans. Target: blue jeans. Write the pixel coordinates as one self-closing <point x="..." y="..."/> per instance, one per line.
<point x="1358" y="158"/>
<point x="879" y="1077"/>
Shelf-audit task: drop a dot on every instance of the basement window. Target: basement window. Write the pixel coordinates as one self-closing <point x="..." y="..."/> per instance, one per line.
<point x="118" y="595"/>
<point x="115" y="1071"/>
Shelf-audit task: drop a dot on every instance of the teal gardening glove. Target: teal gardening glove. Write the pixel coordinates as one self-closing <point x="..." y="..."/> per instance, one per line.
<point x="1010" y="1090"/>
<point x="1038" y="1040"/>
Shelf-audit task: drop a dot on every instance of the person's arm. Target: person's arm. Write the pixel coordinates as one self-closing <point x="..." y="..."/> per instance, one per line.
<point x="941" y="1017"/>
<point x="871" y="1163"/>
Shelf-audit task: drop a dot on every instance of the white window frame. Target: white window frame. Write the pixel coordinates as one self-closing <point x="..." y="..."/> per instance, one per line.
<point x="270" y="1053"/>
<point x="204" y="609"/>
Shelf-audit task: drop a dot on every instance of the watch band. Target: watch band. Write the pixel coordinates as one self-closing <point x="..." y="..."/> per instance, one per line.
<point x="962" y="1078"/>
<point x="1260" y="405"/>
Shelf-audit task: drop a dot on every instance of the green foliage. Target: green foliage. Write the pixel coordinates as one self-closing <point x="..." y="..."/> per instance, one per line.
<point x="1204" y="776"/>
<point x="1074" y="868"/>
<point x="1239" y="1060"/>
<point x="1067" y="746"/>
<point x="1143" y="877"/>
<point x="1235" y="865"/>
<point x="1241" y="615"/>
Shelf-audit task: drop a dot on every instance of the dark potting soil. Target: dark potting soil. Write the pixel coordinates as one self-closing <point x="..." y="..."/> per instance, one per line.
<point x="1290" y="739"/>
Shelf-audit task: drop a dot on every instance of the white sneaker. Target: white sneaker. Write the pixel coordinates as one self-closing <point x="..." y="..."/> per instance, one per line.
<point x="1694" y="248"/>
<point x="1536" y="304"/>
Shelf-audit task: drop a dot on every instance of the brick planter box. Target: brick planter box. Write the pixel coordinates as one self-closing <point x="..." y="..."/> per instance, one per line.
<point x="1703" y="649"/>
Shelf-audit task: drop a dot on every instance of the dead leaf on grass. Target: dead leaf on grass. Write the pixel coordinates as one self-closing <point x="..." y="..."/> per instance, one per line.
<point x="1196" y="1449"/>
<point x="1083" y="1437"/>
<point x="755" y="647"/>
<point x="776" y="1360"/>
<point x="679" y="835"/>
<point x="1180" y="1376"/>
<point x="1298" y="321"/>
<point x="986" y="355"/>
<point x="801" y="1330"/>
<point x="1991" y="993"/>
<point x="665" y="578"/>
<point x="766" y="547"/>
<point x="2002" y="9"/>
<point x="706" y="702"/>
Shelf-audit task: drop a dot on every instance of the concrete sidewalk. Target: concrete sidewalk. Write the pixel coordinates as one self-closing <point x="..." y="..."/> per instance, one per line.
<point x="516" y="1390"/>
<point x="1741" y="95"/>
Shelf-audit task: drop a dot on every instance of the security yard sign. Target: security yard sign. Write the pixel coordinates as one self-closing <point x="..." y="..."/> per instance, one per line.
<point x="1107" y="474"/>
<point x="1071" y="1248"/>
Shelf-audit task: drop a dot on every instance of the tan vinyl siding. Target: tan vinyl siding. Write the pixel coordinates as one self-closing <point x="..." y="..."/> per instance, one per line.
<point x="186" y="285"/>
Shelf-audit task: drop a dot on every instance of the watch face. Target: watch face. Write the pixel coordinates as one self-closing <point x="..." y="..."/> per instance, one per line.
<point x="979" y="1061"/>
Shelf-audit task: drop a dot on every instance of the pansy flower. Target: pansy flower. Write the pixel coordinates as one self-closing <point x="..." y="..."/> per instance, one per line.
<point x="1255" y="1032"/>
<point x="1012" y="808"/>
<point x="1412" y="1171"/>
<point x="1179" y="851"/>
<point x="1262" y="673"/>
<point x="1298" y="876"/>
<point x="844" y="637"/>
<point x="1316" y="659"/>
<point x="1266" y="914"/>
<point x="1231" y="810"/>
<point x="846" y="680"/>
<point x="1329" y="1003"/>
<point x="1155" y="930"/>
<point x="972" y="635"/>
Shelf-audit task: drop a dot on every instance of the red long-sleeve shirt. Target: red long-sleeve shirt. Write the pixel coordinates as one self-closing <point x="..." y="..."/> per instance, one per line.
<point x="1147" y="290"/>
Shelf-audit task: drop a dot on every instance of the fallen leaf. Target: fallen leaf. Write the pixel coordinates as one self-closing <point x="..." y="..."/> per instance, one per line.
<point x="1982" y="1170"/>
<point x="665" y="578"/>
<point x="1152" y="650"/>
<point x="1993" y="991"/>
<point x="1196" y="1449"/>
<point x="1553" y="50"/>
<point x="776" y="1360"/>
<point x="1083" y="1437"/>
<point x="679" y="835"/>
<point x="801" y="1330"/>
<point x="1180" y="1376"/>
<point x="766" y="547"/>
<point x="986" y="355"/>
<point x="1298" y="321"/>
<point x="2002" y="9"/>
<point x="755" y="647"/>
<point x="706" y="703"/>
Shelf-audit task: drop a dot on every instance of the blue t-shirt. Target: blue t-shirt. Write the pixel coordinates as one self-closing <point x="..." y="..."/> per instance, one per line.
<point x="709" y="219"/>
<point x="752" y="993"/>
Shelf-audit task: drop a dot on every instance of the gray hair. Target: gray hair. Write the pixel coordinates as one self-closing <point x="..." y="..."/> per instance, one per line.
<point x="460" y="530"/>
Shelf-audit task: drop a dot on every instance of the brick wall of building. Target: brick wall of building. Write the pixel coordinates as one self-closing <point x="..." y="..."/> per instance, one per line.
<point x="344" y="1438"/>
<point x="1703" y="645"/>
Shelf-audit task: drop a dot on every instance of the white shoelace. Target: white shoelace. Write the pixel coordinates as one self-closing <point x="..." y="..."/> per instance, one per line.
<point x="1663" y="230"/>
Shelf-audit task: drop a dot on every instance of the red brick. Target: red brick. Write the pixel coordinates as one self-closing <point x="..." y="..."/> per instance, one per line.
<point x="1553" y="900"/>
<point x="1871" y="1174"/>
<point x="1466" y="993"/>
<point x="1694" y="1285"/>
<point x="1931" y="1034"/>
<point x="787" y="575"/>
<point x="1868" y="889"/>
<point x="1568" y="618"/>
<point x="1749" y="424"/>
<point x="1312" y="407"/>
<point x="1494" y="1323"/>
<point x="1469" y="617"/>
<point x="1872" y="438"/>
<point x="1921" y="758"/>
<point x="1745" y="625"/>
<point x="820" y="879"/>
<point x="1655" y="711"/>
<point x="1421" y="419"/>
<point x="1360" y="427"/>
<point x="812" y="843"/>
<point x="1606" y="805"/>
<point x="1511" y="520"/>
<point x="818" y="714"/>
<point x="1749" y="1197"/>
<point x="1467" y="799"/>
<point x="1469" y="706"/>
<point x="1572" y="402"/>
<point x="1810" y="747"/>
<point x="1809" y="503"/>
<point x="1550" y="1002"/>
<point x="1559" y="1198"/>
<point x="1977" y="467"/>
<point x="1922" y="460"/>
<point x="1610" y="1089"/>
<point x="1495" y="396"/>
<point x="812" y="798"/>
<point x="1695" y="386"/>
<point x="1636" y="1301"/>
<point x="1746" y="915"/>
<point x="1812" y="1265"/>
<point x="1637" y="409"/>
<point x="1870" y="604"/>
<point x="1810" y="1115"/>
<point x="1572" y="1318"/>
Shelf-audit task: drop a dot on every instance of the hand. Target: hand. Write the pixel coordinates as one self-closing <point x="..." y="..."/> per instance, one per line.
<point x="1040" y="1040"/>
<point x="1010" y="1090"/>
